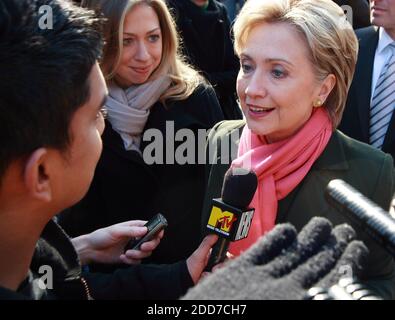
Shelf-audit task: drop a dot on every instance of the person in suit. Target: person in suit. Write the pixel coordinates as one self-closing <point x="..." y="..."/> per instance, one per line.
<point x="292" y="101"/>
<point x="151" y="90"/>
<point x="368" y="115"/>
<point x="206" y="37"/>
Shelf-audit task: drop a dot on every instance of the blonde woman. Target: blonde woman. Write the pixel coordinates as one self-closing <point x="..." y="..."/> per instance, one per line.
<point x="153" y="95"/>
<point x="297" y="63"/>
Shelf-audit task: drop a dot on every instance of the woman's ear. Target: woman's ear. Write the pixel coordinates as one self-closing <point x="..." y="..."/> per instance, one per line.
<point x="326" y="87"/>
<point x="37" y="180"/>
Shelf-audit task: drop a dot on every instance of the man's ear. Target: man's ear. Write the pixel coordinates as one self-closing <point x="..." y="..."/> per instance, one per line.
<point x="36" y="177"/>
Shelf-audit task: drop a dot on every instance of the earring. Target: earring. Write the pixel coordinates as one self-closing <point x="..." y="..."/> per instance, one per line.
<point x="317" y="103"/>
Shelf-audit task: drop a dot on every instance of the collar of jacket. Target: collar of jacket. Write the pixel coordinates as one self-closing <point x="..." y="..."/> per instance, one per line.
<point x="55" y="258"/>
<point x="55" y="246"/>
<point x="333" y="156"/>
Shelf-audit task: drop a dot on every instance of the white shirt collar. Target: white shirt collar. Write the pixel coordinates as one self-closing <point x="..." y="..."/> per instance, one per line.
<point x="384" y="40"/>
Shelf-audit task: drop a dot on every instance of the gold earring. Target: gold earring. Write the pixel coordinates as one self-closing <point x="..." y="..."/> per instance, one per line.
<point x="317" y="103"/>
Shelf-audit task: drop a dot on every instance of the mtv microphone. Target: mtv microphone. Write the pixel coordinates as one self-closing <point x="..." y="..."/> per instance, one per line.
<point x="229" y="217"/>
<point x="368" y="215"/>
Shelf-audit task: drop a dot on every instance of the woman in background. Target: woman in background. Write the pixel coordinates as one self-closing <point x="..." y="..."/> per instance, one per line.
<point x="151" y="91"/>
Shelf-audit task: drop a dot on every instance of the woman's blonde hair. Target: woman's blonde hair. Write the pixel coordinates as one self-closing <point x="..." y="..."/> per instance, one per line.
<point x="330" y="38"/>
<point x="184" y="78"/>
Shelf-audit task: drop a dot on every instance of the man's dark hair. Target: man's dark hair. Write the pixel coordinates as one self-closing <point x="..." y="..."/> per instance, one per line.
<point x="44" y="73"/>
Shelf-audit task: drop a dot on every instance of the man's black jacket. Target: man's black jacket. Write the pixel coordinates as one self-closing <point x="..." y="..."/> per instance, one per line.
<point x="55" y="250"/>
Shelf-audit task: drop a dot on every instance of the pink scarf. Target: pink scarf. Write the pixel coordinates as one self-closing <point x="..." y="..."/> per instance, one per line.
<point x="280" y="167"/>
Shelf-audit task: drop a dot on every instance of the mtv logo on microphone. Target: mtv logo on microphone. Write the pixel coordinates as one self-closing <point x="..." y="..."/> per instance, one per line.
<point x="229" y="222"/>
<point x="221" y="221"/>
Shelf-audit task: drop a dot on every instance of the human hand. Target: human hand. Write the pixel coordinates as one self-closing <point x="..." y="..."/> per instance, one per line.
<point x="217" y="266"/>
<point x="284" y="264"/>
<point x="107" y="245"/>
<point x="220" y="265"/>
<point x="199" y="258"/>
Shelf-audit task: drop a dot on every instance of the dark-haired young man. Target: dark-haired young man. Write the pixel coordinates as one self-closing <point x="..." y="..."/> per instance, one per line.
<point x="51" y="95"/>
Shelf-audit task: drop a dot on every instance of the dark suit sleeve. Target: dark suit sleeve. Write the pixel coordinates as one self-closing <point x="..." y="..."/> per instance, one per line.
<point x="140" y="282"/>
<point x="381" y="264"/>
<point x="386" y="181"/>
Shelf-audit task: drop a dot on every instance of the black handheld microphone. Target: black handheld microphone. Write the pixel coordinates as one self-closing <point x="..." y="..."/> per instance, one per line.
<point x="230" y="218"/>
<point x="368" y="215"/>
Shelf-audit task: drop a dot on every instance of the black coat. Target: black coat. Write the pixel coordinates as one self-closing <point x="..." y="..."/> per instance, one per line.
<point x="55" y="250"/>
<point x="207" y="44"/>
<point x="126" y="188"/>
<point x="355" y="120"/>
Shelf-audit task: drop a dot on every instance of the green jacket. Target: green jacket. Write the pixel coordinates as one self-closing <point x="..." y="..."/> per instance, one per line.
<point x="368" y="170"/>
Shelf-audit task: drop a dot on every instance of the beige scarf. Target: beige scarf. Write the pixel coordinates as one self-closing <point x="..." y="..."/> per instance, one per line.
<point x="128" y="110"/>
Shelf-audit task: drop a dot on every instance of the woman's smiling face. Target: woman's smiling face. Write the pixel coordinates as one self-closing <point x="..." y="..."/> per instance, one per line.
<point x="142" y="46"/>
<point x="276" y="82"/>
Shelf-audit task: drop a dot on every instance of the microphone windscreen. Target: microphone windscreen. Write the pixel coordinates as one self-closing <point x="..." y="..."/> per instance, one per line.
<point x="368" y="215"/>
<point x="239" y="187"/>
